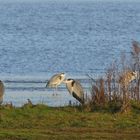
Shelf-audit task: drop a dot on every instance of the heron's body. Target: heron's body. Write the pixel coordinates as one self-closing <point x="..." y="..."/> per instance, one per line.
<point x="75" y="89"/>
<point x="127" y="77"/>
<point x="56" y="80"/>
<point x="1" y="91"/>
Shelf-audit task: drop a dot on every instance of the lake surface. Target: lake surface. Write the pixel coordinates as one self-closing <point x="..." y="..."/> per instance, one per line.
<point x="40" y="39"/>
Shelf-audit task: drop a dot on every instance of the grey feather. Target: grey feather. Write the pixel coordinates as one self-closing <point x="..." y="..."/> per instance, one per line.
<point x="75" y="89"/>
<point x="56" y="80"/>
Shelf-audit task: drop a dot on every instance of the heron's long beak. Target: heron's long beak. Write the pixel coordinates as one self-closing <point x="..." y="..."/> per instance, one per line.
<point x="65" y="81"/>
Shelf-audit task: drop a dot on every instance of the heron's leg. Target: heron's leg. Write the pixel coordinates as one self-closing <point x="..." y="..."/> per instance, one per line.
<point x="56" y="90"/>
<point x="53" y="91"/>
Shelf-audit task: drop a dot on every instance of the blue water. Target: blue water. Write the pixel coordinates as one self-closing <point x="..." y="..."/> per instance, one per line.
<point x="43" y="38"/>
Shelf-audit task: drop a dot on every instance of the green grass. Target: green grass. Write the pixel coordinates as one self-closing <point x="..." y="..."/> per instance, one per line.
<point x="64" y="123"/>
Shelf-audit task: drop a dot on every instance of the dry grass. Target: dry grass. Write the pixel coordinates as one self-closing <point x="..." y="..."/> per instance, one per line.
<point x="119" y="87"/>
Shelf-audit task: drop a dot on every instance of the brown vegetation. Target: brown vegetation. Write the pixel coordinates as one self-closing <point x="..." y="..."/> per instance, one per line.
<point x="120" y="86"/>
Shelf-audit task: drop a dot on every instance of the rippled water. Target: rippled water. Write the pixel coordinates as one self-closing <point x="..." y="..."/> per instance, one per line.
<point x="40" y="39"/>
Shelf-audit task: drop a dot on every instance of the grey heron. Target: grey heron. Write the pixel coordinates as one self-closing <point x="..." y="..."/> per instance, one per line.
<point x="1" y="91"/>
<point x="127" y="77"/>
<point x="75" y="89"/>
<point x="56" y="80"/>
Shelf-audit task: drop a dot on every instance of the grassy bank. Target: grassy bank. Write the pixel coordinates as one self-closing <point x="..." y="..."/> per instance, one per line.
<point x="42" y="122"/>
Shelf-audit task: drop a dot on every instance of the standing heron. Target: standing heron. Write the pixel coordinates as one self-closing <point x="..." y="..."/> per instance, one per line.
<point x="75" y="89"/>
<point x="127" y="77"/>
<point x="56" y="80"/>
<point x="1" y="91"/>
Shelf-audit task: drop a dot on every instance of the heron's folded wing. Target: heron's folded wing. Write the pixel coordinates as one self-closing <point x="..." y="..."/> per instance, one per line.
<point x="78" y="89"/>
<point x="78" y="98"/>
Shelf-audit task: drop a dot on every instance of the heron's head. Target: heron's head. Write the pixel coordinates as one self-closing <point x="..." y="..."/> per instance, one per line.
<point x="62" y="74"/>
<point x="134" y="74"/>
<point x="68" y="81"/>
